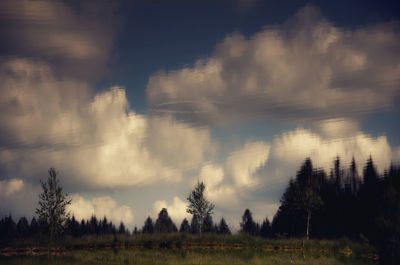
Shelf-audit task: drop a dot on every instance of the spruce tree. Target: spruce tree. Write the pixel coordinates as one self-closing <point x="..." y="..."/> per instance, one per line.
<point x="265" y="230"/>
<point x="194" y="225"/>
<point x="148" y="227"/>
<point x="23" y="227"/>
<point x="121" y="228"/>
<point x="248" y="225"/>
<point x="223" y="228"/>
<point x="185" y="227"/>
<point x="164" y="223"/>
<point x="208" y="224"/>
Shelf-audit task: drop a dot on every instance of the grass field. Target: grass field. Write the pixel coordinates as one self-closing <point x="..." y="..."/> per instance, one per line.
<point x="188" y="249"/>
<point x="170" y="256"/>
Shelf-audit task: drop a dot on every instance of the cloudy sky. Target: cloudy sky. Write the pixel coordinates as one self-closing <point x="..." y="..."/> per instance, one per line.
<point x="134" y="101"/>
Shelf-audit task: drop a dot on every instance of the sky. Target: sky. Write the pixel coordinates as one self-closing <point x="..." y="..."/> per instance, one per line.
<point x="133" y="102"/>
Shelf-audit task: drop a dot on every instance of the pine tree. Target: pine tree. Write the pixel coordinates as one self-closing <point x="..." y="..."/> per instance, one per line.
<point x="33" y="227"/>
<point x="52" y="205"/>
<point x="208" y="224"/>
<point x="194" y="225"/>
<point x="354" y="176"/>
<point x="23" y="227"/>
<point x="223" y="228"/>
<point x="93" y="226"/>
<point x="185" y="227"/>
<point x="301" y="199"/>
<point x="83" y="228"/>
<point x="164" y="223"/>
<point x="8" y="228"/>
<point x="307" y="192"/>
<point x="148" y="227"/>
<point x="368" y="200"/>
<point x="121" y="228"/>
<point x="265" y="230"/>
<point x="248" y="225"/>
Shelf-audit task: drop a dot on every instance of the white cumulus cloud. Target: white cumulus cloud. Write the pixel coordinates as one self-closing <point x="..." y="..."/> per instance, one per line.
<point x="83" y="208"/>
<point x="306" y="68"/>
<point x="96" y="141"/>
<point x="291" y="148"/>
<point x="221" y="193"/>
<point x="244" y="163"/>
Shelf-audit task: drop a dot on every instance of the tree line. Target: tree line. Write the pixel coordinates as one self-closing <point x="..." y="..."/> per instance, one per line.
<point x="363" y="207"/>
<point x="11" y="230"/>
<point x="344" y="203"/>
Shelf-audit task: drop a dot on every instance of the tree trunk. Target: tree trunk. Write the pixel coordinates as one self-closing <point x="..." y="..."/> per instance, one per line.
<point x="308" y="224"/>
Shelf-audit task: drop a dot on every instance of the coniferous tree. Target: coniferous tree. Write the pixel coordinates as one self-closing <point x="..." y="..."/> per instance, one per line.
<point x="248" y="225"/>
<point x="83" y="229"/>
<point x="208" y="224"/>
<point x="286" y="221"/>
<point x="194" y="225"/>
<point x="121" y="228"/>
<point x="185" y="227"/>
<point x="390" y="242"/>
<point x="265" y="230"/>
<point x="368" y="200"/>
<point x="23" y="227"/>
<point x="74" y="228"/>
<point x="301" y="199"/>
<point x="338" y="171"/>
<point x="148" y="227"/>
<point x="33" y="228"/>
<point x="223" y="228"/>
<point x="8" y="228"/>
<point x="355" y="184"/>
<point x="164" y="223"/>
<point x="93" y="226"/>
<point x="307" y="192"/>
<point x="52" y="205"/>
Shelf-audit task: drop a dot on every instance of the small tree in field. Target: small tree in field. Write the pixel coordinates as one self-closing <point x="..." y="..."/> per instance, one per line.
<point x="198" y="205"/>
<point x="52" y="205"/>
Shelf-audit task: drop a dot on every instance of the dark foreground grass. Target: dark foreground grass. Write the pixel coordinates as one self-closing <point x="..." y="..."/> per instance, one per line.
<point x="179" y="256"/>
<point x="188" y="249"/>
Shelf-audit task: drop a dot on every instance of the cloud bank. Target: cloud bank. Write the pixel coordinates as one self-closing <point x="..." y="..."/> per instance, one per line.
<point x="98" y="142"/>
<point x="74" y="37"/>
<point x="307" y="68"/>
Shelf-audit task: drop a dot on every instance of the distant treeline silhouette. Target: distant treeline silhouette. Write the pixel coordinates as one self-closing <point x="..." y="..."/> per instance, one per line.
<point x="9" y="230"/>
<point x="315" y="204"/>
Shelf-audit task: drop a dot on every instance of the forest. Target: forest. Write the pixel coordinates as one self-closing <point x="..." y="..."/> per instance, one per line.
<point x="362" y="207"/>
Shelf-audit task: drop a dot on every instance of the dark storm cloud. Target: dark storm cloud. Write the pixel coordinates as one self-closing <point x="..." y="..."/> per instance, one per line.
<point x="74" y="37"/>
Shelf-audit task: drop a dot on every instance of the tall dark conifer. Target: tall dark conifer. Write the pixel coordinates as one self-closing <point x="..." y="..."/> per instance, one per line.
<point x="223" y="227"/>
<point x="164" y="223"/>
<point x="185" y="227"/>
<point x="248" y="225"/>
<point x="148" y="227"/>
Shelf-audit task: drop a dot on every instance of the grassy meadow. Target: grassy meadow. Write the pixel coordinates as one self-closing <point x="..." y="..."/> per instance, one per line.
<point x="188" y="249"/>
